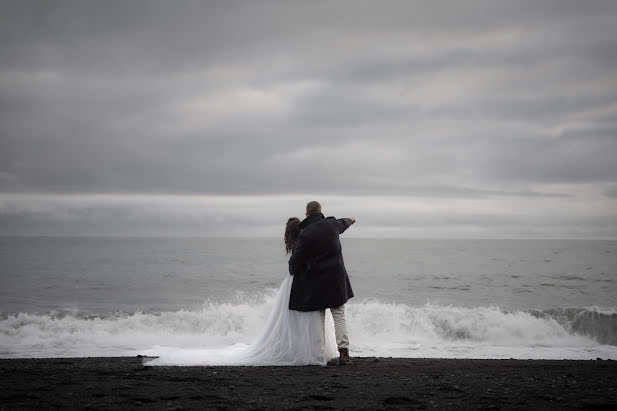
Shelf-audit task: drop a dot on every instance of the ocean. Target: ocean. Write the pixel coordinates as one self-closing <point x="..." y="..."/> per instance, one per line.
<point x="106" y="296"/>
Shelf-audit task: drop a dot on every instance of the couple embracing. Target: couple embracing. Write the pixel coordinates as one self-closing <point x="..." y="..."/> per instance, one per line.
<point x="296" y="332"/>
<point x="316" y="263"/>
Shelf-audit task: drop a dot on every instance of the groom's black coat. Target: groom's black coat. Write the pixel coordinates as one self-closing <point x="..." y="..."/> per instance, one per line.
<point x="320" y="279"/>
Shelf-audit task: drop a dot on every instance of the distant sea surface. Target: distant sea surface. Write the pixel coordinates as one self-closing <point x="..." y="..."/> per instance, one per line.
<point x="101" y="296"/>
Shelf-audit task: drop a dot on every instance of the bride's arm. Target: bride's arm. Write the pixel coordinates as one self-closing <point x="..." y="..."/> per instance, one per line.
<point x="299" y="256"/>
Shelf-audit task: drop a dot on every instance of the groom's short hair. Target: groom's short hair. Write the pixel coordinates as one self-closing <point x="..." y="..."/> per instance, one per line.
<point x="313" y="207"/>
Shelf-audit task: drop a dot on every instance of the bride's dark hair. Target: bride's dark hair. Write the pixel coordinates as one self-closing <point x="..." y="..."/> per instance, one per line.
<point x="292" y="231"/>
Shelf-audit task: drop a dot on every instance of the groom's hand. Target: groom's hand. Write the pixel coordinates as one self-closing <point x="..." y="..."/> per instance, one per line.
<point x="353" y="219"/>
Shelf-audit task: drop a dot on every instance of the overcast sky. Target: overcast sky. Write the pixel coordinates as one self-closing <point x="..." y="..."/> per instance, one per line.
<point x="421" y="118"/>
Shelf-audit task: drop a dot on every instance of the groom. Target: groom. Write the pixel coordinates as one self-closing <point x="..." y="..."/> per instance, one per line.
<point x="320" y="279"/>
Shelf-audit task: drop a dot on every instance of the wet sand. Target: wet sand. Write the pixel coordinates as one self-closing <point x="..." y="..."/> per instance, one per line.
<point x="371" y="383"/>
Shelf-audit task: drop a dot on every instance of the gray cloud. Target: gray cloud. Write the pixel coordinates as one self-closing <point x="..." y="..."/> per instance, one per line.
<point x="112" y="214"/>
<point x="476" y="100"/>
<point x="611" y="191"/>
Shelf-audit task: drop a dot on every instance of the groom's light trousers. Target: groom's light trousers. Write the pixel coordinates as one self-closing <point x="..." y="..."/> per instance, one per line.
<point x="340" y="327"/>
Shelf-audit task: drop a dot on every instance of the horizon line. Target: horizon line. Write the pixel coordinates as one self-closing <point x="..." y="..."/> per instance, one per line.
<point x="235" y="236"/>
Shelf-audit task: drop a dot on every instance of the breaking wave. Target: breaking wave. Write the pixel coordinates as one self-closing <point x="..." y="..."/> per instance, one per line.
<point x="375" y="328"/>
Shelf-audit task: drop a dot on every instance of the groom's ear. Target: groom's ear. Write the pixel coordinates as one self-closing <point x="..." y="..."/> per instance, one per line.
<point x="306" y="214"/>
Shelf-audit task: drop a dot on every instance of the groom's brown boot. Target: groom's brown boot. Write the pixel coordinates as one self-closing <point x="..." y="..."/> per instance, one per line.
<point x="344" y="357"/>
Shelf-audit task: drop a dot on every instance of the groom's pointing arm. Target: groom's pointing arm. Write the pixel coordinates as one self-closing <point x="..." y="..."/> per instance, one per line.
<point x="344" y="223"/>
<point x="299" y="256"/>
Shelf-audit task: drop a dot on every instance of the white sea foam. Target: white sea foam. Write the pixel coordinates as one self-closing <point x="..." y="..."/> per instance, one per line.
<point x="375" y="328"/>
<point x="456" y="332"/>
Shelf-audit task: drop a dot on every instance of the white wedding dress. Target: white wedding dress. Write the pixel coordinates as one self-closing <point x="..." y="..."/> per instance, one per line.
<point x="288" y="338"/>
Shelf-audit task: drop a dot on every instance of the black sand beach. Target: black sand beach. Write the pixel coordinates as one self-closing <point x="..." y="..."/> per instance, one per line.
<point x="371" y="383"/>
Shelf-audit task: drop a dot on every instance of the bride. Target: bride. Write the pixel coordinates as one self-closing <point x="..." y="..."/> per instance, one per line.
<point x="289" y="337"/>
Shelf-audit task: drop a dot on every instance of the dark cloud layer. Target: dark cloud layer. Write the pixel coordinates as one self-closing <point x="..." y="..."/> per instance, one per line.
<point x="440" y="102"/>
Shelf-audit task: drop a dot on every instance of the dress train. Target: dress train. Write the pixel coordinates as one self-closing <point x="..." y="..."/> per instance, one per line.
<point x="288" y="338"/>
